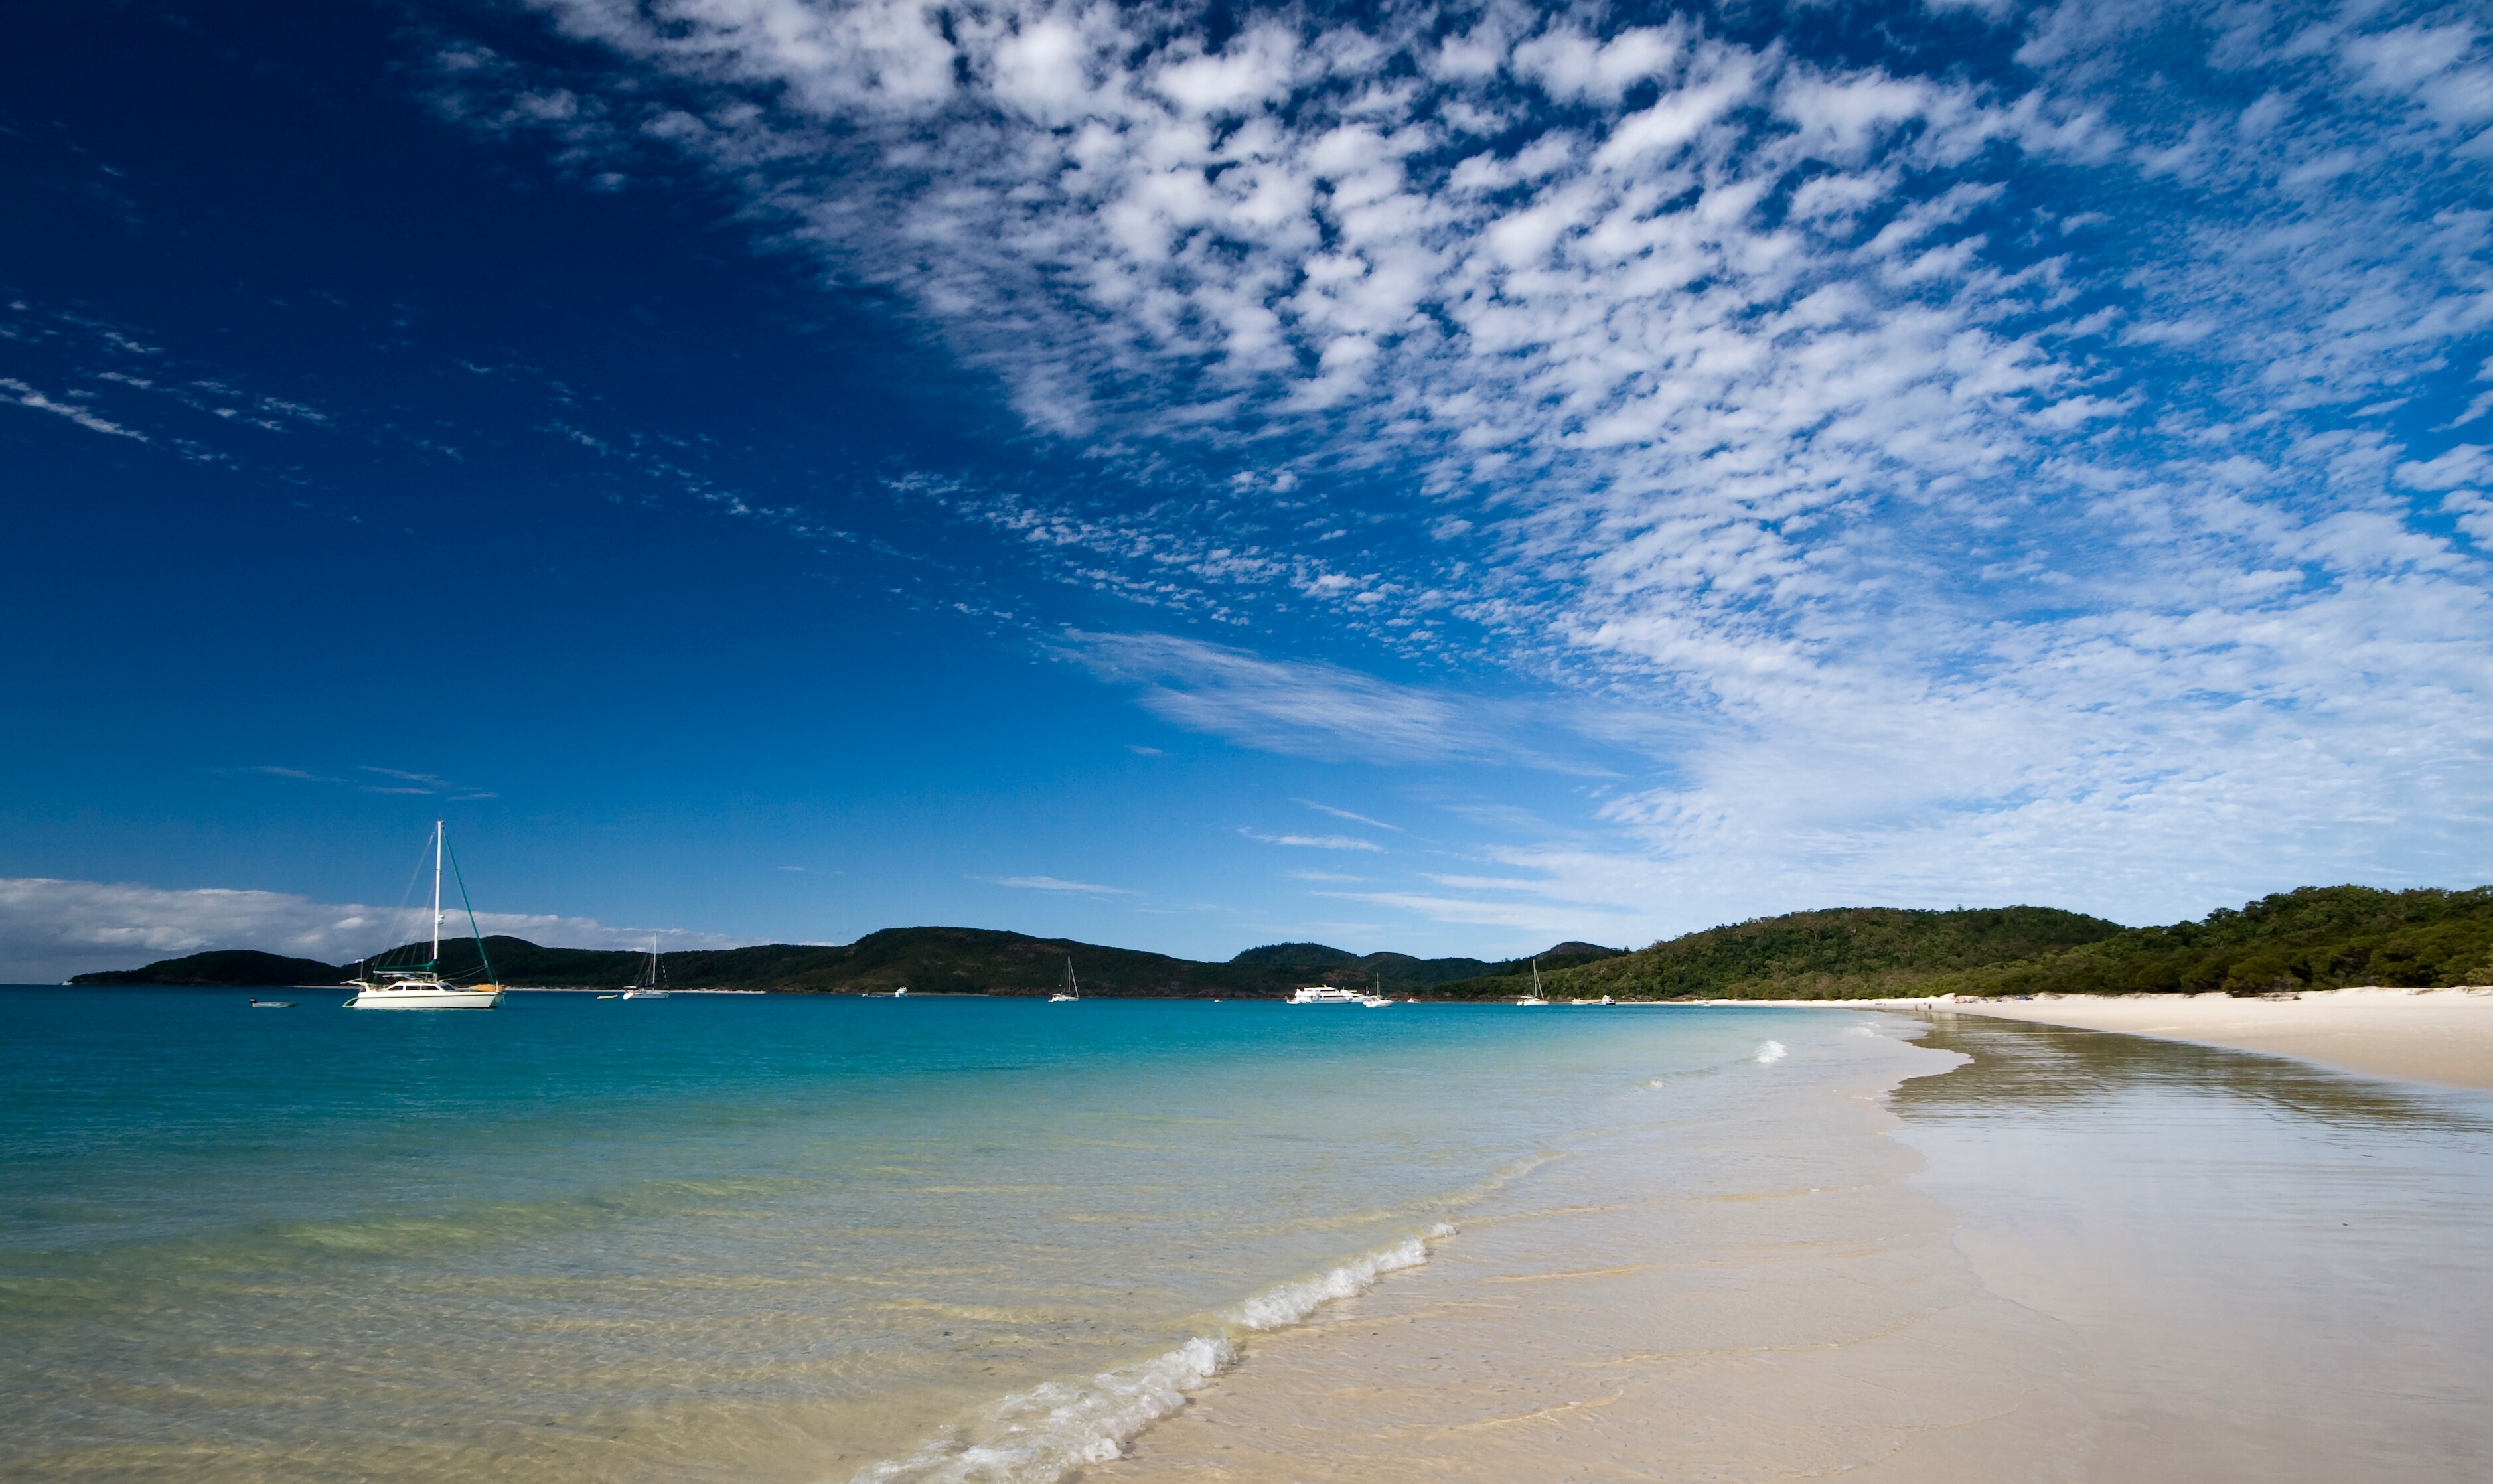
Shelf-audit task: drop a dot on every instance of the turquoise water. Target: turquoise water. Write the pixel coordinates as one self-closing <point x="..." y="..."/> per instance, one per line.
<point x="756" y="1237"/>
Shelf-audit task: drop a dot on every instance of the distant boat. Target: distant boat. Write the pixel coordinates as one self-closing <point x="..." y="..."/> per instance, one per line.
<point x="1534" y="999"/>
<point x="1072" y="990"/>
<point x="1374" y="998"/>
<point x="1327" y="995"/>
<point x="420" y="985"/>
<point x="274" y="1004"/>
<point x="1604" y="1000"/>
<point x="651" y="982"/>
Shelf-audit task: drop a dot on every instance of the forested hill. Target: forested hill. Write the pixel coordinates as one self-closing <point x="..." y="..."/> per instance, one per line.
<point x="2313" y="938"/>
<point x="925" y="960"/>
<point x="1834" y="954"/>
<point x="234" y="966"/>
<point x="2316" y="938"/>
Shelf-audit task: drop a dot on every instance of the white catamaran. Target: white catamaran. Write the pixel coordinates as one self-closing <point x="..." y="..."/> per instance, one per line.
<point x="652" y="983"/>
<point x="1072" y="990"/>
<point x="420" y="985"/>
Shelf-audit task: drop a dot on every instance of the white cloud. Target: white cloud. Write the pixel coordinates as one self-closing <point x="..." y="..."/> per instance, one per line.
<point x="1052" y="883"/>
<point x="1316" y="842"/>
<point x="1313" y="710"/>
<point x="1538" y="916"/>
<point x="1345" y="813"/>
<point x="1760" y="408"/>
<point x="28" y="396"/>
<point x="395" y="781"/>
<point x="2467" y="463"/>
<point x="53" y="929"/>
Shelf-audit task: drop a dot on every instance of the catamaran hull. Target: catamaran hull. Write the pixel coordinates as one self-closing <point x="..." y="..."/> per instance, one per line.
<point x="426" y="1000"/>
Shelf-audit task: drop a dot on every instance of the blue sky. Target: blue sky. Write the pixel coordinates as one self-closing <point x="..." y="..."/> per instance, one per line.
<point x="1417" y="477"/>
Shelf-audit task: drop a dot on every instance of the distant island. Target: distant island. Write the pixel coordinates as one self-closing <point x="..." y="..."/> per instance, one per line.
<point x="958" y="961"/>
<point x="2313" y="938"/>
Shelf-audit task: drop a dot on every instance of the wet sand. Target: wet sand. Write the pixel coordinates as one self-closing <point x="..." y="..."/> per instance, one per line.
<point x="2080" y="1257"/>
<point x="2439" y="1036"/>
<point x="2443" y="1036"/>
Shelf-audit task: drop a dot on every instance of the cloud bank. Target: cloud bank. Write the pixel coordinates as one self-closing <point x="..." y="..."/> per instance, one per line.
<point x="53" y="929"/>
<point x="2022" y="455"/>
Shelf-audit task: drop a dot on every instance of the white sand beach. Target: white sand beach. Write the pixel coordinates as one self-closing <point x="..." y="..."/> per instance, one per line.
<point x="2443" y="1036"/>
<point x="2118" y="1262"/>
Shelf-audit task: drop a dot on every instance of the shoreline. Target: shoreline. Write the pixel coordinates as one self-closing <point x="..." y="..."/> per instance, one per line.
<point x="2036" y="1250"/>
<point x="2442" y="1037"/>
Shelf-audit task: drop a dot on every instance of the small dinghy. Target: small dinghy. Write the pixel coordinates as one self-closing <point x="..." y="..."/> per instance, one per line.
<point x="274" y="1004"/>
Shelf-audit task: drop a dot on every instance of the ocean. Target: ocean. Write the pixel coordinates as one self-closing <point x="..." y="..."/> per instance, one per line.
<point x="747" y="1236"/>
<point x="801" y="1238"/>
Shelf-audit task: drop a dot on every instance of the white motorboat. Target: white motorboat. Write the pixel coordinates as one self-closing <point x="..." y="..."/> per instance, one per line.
<point x="1072" y="990"/>
<point x="1604" y="1000"/>
<point x="1534" y="999"/>
<point x="651" y="984"/>
<point x="274" y="1004"/>
<point x="1327" y="995"/>
<point x="420" y="985"/>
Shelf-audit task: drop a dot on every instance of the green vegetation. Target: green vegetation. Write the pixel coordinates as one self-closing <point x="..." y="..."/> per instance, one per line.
<point x="238" y="967"/>
<point x="1842" y="953"/>
<point x="2316" y="938"/>
<point x="959" y="960"/>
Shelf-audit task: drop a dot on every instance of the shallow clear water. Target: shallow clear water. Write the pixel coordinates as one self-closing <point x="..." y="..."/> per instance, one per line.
<point x="2273" y="1271"/>
<point x="758" y="1237"/>
<point x="2077" y="1257"/>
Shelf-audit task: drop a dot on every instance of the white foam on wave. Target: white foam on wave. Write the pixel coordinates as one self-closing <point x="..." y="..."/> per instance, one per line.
<point x="1771" y="1051"/>
<point x="1039" y="1436"/>
<point x="1287" y="1303"/>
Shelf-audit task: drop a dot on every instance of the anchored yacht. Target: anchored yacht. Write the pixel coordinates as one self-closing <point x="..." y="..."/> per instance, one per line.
<point x="652" y="983"/>
<point x="420" y="985"/>
<point x="1327" y="995"/>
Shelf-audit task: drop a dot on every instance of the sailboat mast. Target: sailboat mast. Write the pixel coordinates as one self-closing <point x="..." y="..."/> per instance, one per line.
<point x="436" y="894"/>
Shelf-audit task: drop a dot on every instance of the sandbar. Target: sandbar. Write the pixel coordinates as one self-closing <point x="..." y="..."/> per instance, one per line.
<point x="2443" y="1036"/>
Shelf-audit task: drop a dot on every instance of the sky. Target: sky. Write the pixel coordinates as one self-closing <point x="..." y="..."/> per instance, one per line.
<point x="1419" y="477"/>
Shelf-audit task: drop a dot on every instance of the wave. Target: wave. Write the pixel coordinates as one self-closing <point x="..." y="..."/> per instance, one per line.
<point x="1041" y="1435"/>
<point x="1770" y="1053"/>
<point x="1287" y="1303"/>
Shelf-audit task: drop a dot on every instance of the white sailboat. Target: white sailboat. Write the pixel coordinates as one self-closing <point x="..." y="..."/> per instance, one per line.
<point x="420" y="985"/>
<point x="651" y="984"/>
<point x="1072" y="990"/>
<point x="1374" y="998"/>
<point x="1534" y="999"/>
